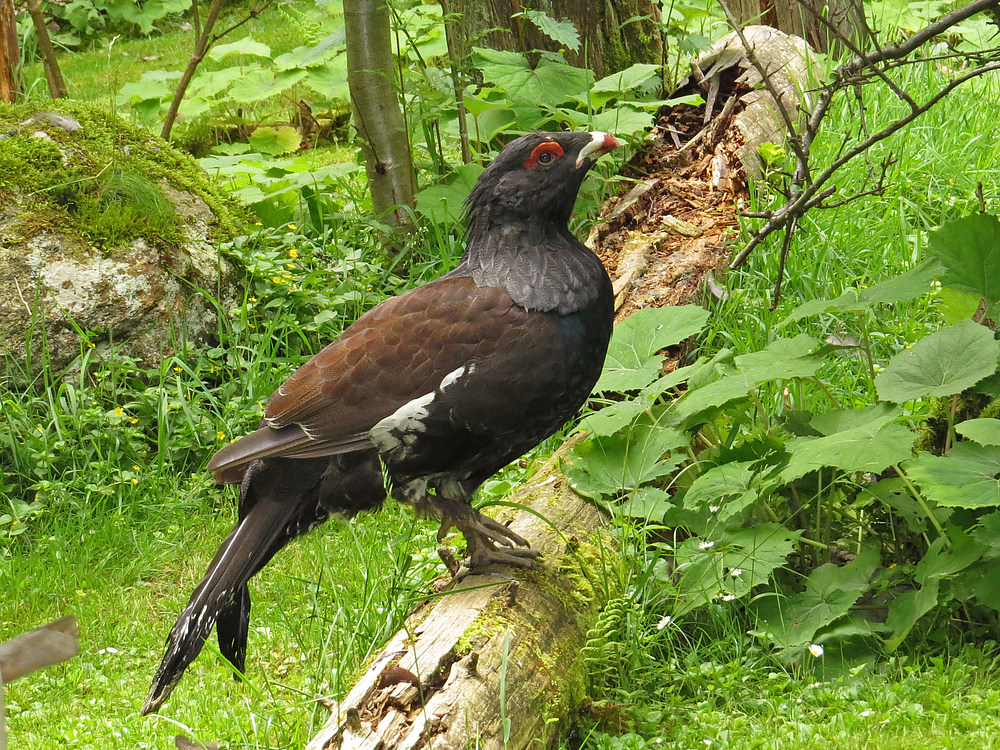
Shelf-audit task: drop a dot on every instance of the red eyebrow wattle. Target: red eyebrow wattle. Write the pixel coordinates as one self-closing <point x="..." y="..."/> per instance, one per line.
<point x="549" y="147"/>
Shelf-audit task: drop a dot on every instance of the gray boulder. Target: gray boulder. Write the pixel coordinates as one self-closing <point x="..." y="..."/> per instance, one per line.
<point x="108" y="241"/>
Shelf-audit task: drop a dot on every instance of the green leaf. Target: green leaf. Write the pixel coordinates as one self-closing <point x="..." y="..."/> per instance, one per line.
<point x="637" y="338"/>
<point x="622" y="120"/>
<point x="957" y="306"/>
<point x="906" y="609"/>
<point x="551" y="81"/>
<point x="736" y="561"/>
<point x="781" y="359"/>
<point x="623" y="462"/>
<point x="983" y="430"/>
<point x="561" y="32"/>
<point x="847" y="419"/>
<point x="443" y="202"/>
<point x="279" y="140"/>
<point x="648" y="503"/>
<point x="870" y="447"/>
<point x="829" y="593"/>
<point x="944" y="363"/>
<point x="912" y="284"/>
<point x="945" y="558"/>
<point x="964" y="478"/>
<point x="969" y="249"/>
<point x="245" y="46"/>
<point x="732" y="486"/>
<point x="613" y="86"/>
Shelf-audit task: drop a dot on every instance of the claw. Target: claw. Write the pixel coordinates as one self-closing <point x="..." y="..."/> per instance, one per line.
<point x="483" y="535"/>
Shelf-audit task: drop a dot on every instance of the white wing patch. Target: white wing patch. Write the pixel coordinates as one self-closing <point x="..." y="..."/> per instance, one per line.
<point x="401" y="428"/>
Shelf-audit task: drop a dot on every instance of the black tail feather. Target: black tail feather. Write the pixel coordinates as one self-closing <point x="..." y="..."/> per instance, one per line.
<point x="276" y="505"/>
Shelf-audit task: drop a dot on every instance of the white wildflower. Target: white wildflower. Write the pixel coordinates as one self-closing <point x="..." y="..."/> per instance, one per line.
<point x="816" y="650"/>
<point x="706" y="545"/>
<point x="663" y="622"/>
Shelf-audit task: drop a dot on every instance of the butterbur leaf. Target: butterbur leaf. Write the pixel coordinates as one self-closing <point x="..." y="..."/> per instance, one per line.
<point x="245" y="46"/>
<point x="830" y="422"/>
<point x="637" y="338"/>
<point x="969" y="249"/>
<point x="648" y="503"/>
<point x="871" y="447"/>
<point x="942" y="364"/>
<point x="622" y="462"/>
<point x="983" y="430"/>
<point x="729" y="564"/>
<point x="443" y="202"/>
<point x="964" y="478"/>
<point x="828" y="594"/>
<point x="781" y="359"/>
<point x="732" y="486"/>
<point x="279" y="140"/>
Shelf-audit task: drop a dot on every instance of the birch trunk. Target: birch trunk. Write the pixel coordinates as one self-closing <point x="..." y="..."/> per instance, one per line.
<point x="378" y="118"/>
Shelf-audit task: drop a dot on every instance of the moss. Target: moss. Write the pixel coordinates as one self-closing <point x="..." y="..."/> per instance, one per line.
<point x="102" y="177"/>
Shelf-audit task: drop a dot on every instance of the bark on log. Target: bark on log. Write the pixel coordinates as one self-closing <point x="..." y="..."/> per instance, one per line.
<point x="494" y="661"/>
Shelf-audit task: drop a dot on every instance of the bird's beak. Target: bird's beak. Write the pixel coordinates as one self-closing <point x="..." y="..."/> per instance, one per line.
<point x="600" y="144"/>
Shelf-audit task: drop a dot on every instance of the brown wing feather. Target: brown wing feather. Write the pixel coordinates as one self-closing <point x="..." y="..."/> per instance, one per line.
<point x="398" y="351"/>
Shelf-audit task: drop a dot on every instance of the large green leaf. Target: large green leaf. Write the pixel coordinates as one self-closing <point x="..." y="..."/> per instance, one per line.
<point x="245" y="46"/>
<point x="629" y="364"/>
<point x="984" y="430"/>
<point x="614" y="85"/>
<point x="829" y="593"/>
<point x="610" y="464"/>
<point x="731" y="563"/>
<point x="732" y="486"/>
<point x="551" y="81"/>
<point x="781" y="359"/>
<point x="964" y="478"/>
<point x="443" y="202"/>
<point x="871" y="447"/>
<point x="946" y="362"/>
<point x="969" y="249"/>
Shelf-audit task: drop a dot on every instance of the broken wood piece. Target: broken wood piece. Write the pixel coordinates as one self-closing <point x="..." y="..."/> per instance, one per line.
<point x="39" y="648"/>
<point x="481" y="631"/>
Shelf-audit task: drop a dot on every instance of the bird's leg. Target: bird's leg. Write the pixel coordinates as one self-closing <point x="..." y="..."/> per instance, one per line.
<point x="482" y="535"/>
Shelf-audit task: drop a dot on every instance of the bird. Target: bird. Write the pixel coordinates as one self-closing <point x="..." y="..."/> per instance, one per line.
<point x="426" y="395"/>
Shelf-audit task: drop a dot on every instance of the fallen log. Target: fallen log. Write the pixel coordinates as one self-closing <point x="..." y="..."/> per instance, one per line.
<point x="493" y="660"/>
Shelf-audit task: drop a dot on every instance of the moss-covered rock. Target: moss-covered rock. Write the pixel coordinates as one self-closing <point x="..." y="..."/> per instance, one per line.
<point x="108" y="238"/>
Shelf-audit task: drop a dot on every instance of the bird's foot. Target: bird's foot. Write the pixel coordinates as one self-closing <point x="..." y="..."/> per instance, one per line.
<point x="483" y="535"/>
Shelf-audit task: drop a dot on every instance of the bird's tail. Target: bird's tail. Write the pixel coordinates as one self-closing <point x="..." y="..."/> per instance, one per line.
<point x="265" y="520"/>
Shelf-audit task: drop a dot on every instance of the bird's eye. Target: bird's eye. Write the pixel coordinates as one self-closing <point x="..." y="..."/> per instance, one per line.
<point x="544" y="153"/>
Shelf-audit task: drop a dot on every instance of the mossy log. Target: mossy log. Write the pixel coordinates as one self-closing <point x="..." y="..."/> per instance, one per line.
<point x="495" y="658"/>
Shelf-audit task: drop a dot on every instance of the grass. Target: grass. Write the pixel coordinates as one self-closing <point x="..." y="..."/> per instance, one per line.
<point x="113" y="521"/>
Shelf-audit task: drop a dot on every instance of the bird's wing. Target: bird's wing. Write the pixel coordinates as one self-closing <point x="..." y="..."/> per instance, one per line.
<point x="398" y="351"/>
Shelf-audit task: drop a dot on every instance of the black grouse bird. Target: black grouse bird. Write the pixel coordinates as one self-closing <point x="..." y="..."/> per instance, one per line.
<point x="440" y="387"/>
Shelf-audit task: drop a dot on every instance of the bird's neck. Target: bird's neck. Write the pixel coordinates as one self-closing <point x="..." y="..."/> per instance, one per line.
<point x="540" y="263"/>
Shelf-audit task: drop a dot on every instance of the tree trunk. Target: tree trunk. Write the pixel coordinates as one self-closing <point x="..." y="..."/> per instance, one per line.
<point x="496" y="661"/>
<point x="57" y="86"/>
<point x="610" y="41"/>
<point x="11" y="83"/>
<point x="202" y="42"/>
<point x="378" y="118"/>
<point x="845" y="19"/>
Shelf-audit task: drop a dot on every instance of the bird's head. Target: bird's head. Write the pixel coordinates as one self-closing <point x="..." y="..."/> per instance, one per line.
<point x="536" y="177"/>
